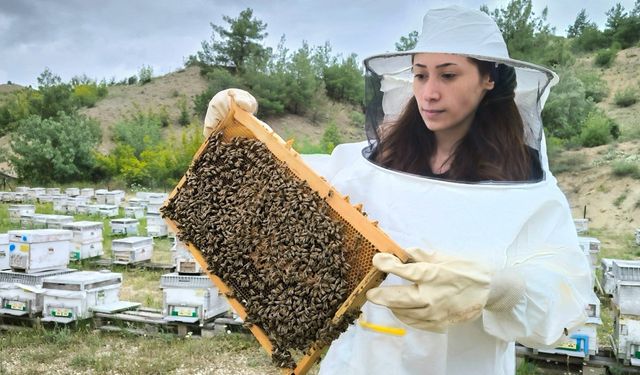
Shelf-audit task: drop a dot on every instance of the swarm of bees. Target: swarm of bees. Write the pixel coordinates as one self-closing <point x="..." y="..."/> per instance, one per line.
<point x="270" y="238"/>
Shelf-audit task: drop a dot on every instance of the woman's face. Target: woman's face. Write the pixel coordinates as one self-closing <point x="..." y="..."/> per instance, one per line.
<point x="448" y="89"/>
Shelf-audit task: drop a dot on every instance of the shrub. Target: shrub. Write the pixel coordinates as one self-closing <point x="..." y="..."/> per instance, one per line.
<point x="138" y="131"/>
<point x="145" y="74"/>
<point x="594" y="86"/>
<point x="184" y="118"/>
<point x="605" y="57"/>
<point x="567" y="163"/>
<point x="626" y="97"/>
<point x="132" y="80"/>
<point x="86" y="95"/>
<point x="331" y="137"/>
<point x="60" y="149"/>
<point x="596" y="130"/>
<point x="357" y="119"/>
<point x="623" y="168"/>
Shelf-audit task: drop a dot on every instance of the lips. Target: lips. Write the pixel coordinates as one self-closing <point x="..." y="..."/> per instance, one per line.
<point x="430" y="113"/>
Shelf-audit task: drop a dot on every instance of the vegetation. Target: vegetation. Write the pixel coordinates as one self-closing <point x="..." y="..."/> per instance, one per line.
<point x="626" y="97"/>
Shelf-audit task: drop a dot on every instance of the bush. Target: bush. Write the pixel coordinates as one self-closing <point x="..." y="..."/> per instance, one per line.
<point x="132" y="80"/>
<point x="140" y="131"/>
<point x="596" y="130"/>
<point x="568" y="163"/>
<point x="145" y="74"/>
<point x="54" y="150"/>
<point x="184" y="118"/>
<point x="330" y="137"/>
<point x="623" y="168"/>
<point x="626" y="97"/>
<point x="86" y="95"/>
<point x="219" y="79"/>
<point x="605" y="57"/>
<point x="594" y="86"/>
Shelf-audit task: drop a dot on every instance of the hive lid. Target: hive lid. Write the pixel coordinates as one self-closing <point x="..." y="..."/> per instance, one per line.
<point x="40" y="235"/>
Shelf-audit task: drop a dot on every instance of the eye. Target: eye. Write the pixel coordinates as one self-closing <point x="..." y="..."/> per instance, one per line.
<point x="448" y="76"/>
<point x="419" y="76"/>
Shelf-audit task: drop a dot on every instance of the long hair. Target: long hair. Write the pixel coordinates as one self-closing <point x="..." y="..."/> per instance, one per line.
<point x="493" y="148"/>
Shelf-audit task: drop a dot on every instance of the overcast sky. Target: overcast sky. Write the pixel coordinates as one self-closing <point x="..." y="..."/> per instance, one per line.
<point x="114" y="38"/>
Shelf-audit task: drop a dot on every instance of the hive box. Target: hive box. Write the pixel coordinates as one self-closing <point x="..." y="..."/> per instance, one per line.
<point x="134" y="212"/>
<point x="85" y="231"/>
<point x="4" y="251"/>
<point x="87" y="192"/>
<point x="39" y="249"/>
<point x="183" y="259"/>
<point x="70" y="297"/>
<point x="57" y="221"/>
<point x="124" y="226"/>
<point x="20" y="293"/>
<point x="16" y="210"/>
<point x="190" y="298"/>
<point x="72" y="191"/>
<point x="132" y="250"/>
<point x="107" y="210"/>
<point x="156" y="226"/>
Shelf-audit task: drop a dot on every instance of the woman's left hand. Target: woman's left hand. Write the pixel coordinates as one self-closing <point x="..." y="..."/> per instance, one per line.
<point x="446" y="289"/>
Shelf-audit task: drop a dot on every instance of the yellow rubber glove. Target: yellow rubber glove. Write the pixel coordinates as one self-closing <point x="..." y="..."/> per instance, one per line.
<point x="446" y="290"/>
<point x="220" y="104"/>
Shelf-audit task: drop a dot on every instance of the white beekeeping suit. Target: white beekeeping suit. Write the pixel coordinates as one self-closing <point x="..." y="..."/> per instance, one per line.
<point x="524" y="228"/>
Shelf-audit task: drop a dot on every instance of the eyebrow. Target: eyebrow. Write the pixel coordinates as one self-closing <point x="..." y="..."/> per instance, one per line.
<point x="437" y="66"/>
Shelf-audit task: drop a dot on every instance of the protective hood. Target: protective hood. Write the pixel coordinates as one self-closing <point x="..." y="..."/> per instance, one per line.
<point x="460" y="31"/>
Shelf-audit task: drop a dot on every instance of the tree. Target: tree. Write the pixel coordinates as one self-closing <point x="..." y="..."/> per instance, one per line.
<point x="521" y="29"/>
<point x="60" y="149"/>
<point x="408" y="42"/>
<point x="302" y="82"/>
<point x="140" y="131"/>
<point x="579" y="25"/>
<point x="344" y="81"/>
<point x="237" y="44"/>
<point x="615" y="16"/>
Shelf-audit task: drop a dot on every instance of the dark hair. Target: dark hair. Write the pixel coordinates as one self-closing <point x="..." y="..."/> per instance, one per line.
<point x="493" y="148"/>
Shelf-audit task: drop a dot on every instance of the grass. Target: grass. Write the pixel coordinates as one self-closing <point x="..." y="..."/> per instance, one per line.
<point x="621" y="198"/>
<point x="85" y="350"/>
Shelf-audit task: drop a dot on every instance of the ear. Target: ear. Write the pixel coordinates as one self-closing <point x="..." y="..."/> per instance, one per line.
<point x="488" y="83"/>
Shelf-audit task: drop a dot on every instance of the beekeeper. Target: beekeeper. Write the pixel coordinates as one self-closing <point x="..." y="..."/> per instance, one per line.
<point x="455" y="171"/>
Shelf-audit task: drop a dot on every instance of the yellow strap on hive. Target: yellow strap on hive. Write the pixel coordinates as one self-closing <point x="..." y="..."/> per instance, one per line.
<point x="382" y="329"/>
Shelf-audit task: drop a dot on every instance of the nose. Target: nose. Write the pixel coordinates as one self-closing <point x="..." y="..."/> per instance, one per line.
<point x="428" y="90"/>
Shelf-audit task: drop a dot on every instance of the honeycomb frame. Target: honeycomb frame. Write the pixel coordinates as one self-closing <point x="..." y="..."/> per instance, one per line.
<point x="363" y="236"/>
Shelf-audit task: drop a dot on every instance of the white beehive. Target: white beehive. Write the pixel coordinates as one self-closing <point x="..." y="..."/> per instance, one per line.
<point x="156" y="226"/>
<point x="183" y="259"/>
<point x="581" y="342"/>
<point x="36" y="192"/>
<point x="53" y="191"/>
<point x="20" y="293"/>
<point x="71" y="203"/>
<point x="7" y="196"/>
<point x="142" y="195"/>
<point x="627" y="336"/>
<point x="190" y="298"/>
<point x="591" y="248"/>
<point x="57" y="221"/>
<point x="124" y="226"/>
<point x="107" y="210"/>
<point x="132" y="250"/>
<point x="82" y="209"/>
<point x="85" y="231"/>
<point x="86" y="250"/>
<point x="26" y="221"/>
<point x="626" y="297"/>
<point x="93" y="209"/>
<point x="134" y="212"/>
<point x="137" y="202"/>
<point x="626" y="270"/>
<point x="45" y="198"/>
<point x="582" y="225"/>
<point x="72" y="191"/>
<point x="39" y="249"/>
<point x="113" y="198"/>
<point x="101" y="196"/>
<point x="70" y="297"/>
<point x="39" y="221"/>
<point x="59" y="203"/>
<point x="608" y="281"/>
<point x="4" y="251"/>
<point x="87" y="192"/>
<point x="22" y="189"/>
<point x="119" y="193"/>
<point x="156" y="200"/>
<point x="16" y="210"/>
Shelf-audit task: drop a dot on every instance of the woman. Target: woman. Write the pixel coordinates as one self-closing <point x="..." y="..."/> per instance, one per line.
<point x="456" y="165"/>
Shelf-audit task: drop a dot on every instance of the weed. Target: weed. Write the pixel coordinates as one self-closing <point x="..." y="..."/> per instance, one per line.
<point x="621" y="198"/>
<point x="625" y="168"/>
<point x="527" y="368"/>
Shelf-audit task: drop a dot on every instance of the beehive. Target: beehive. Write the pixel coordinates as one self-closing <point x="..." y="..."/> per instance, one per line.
<point x="361" y="238"/>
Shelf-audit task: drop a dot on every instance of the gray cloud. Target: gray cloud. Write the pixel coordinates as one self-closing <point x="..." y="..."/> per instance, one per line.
<point x="116" y="37"/>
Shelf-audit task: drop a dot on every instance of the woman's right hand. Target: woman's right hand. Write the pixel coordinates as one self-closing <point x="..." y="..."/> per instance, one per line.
<point x="219" y="107"/>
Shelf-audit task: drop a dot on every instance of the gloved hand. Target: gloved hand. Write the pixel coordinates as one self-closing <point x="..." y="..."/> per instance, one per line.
<point x="446" y="289"/>
<point x="219" y="107"/>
